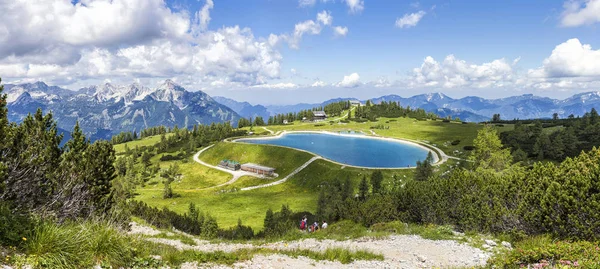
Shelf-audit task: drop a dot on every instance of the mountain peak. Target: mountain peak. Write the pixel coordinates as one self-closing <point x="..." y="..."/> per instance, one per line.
<point x="170" y="85"/>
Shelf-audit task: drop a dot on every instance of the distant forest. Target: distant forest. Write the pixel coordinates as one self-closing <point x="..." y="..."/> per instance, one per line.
<point x="569" y="137"/>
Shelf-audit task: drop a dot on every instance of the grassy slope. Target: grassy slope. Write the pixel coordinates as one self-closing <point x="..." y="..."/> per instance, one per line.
<point x="146" y="141"/>
<point x="301" y="191"/>
<point x="283" y="160"/>
<point x="194" y="175"/>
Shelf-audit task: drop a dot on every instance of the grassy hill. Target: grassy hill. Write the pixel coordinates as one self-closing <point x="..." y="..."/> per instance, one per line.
<point x="283" y="160"/>
<point x="300" y="192"/>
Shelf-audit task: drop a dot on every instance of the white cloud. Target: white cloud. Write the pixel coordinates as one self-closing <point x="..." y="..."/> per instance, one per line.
<point x="281" y="85"/>
<point x="307" y="3"/>
<point x="456" y="73"/>
<point x="324" y="17"/>
<point x="39" y="26"/>
<point x="319" y="83"/>
<point x="410" y="20"/>
<point x="350" y="81"/>
<point x="577" y="13"/>
<point x="55" y="40"/>
<point x="355" y="6"/>
<point x="570" y="59"/>
<point x="203" y="16"/>
<point x="306" y="27"/>
<point x="382" y="82"/>
<point x="340" y="31"/>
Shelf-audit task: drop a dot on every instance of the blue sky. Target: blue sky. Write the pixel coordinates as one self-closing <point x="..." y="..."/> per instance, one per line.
<point x="281" y="51"/>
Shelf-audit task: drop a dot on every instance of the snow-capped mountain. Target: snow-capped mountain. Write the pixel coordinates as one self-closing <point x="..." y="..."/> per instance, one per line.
<point x="107" y="109"/>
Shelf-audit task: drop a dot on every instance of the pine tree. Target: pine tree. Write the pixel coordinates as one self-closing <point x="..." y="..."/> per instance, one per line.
<point x="269" y="223"/>
<point x="488" y="153"/>
<point x="376" y="180"/>
<point x="363" y="189"/>
<point x="167" y="191"/>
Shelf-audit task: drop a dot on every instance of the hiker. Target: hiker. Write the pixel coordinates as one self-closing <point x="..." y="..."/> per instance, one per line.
<point x="315" y="226"/>
<point x="303" y="224"/>
<point x="324" y="225"/>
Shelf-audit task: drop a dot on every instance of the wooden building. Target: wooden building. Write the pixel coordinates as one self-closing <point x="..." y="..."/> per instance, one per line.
<point x="258" y="169"/>
<point x="230" y="164"/>
<point x="319" y="115"/>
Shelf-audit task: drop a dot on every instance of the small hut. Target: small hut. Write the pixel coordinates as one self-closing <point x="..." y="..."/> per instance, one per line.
<point x="258" y="169"/>
<point x="230" y="164"/>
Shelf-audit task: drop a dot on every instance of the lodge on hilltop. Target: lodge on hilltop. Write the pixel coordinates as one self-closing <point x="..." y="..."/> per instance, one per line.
<point x="248" y="167"/>
<point x="319" y="115"/>
<point x="258" y="169"/>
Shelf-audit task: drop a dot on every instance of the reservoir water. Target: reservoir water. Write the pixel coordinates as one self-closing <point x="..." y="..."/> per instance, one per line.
<point x="355" y="150"/>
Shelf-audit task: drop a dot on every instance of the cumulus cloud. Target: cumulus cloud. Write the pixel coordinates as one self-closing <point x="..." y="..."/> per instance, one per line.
<point x="39" y="26"/>
<point x="281" y="85"/>
<point x="203" y="15"/>
<point x="570" y="59"/>
<point x="577" y="13"/>
<point x="319" y="83"/>
<point x="350" y="81"/>
<point x="340" y="31"/>
<point x="324" y="17"/>
<point x="56" y="40"/>
<point x="454" y="73"/>
<point x="410" y="20"/>
<point x="355" y="6"/>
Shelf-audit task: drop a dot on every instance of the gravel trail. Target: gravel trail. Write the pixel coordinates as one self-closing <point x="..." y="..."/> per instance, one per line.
<point x="399" y="251"/>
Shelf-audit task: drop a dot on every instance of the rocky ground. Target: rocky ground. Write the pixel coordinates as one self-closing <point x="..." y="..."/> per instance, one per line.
<point x="399" y="251"/>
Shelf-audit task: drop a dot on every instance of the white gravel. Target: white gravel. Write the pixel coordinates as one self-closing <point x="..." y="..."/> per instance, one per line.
<point x="399" y="251"/>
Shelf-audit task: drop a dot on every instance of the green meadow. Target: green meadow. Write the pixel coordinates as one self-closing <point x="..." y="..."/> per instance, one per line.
<point x="228" y="203"/>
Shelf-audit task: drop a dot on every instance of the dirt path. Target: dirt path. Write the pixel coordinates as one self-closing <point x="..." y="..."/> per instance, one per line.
<point x="236" y="174"/>
<point x="268" y="130"/>
<point x="399" y="251"/>
<point x="285" y="178"/>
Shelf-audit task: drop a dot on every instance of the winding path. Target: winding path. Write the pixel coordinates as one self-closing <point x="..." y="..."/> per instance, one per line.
<point x="268" y="130"/>
<point x="236" y="174"/>
<point x="239" y="173"/>
<point x="285" y="178"/>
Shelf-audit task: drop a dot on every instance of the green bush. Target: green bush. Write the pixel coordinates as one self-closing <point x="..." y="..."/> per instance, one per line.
<point x="543" y="251"/>
<point x="455" y="142"/>
<point x="13" y="227"/>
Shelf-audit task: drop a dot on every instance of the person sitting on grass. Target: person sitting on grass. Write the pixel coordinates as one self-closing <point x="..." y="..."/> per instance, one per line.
<point x="303" y="224"/>
<point x="324" y="225"/>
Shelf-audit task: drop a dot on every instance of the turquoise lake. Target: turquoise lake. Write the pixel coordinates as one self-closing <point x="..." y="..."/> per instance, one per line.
<point x="356" y="150"/>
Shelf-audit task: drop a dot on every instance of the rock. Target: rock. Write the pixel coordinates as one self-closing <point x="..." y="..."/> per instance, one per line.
<point x="506" y="244"/>
<point x="421" y="258"/>
<point x="486" y="246"/>
<point x="491" y="243"/>
<point x="455" y="233"/>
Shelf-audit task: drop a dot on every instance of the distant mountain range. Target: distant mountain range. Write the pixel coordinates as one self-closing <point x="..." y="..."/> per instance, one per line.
<point x="470" y="108"/>
<point x="107" y="109"/>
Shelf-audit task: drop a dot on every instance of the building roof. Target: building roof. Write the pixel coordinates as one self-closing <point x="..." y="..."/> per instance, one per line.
<point x="319" y="114"/>
<point x="259" y="167"/>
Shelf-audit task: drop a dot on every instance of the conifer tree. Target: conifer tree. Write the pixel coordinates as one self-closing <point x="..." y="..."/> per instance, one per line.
<point x="363" y="189"/>
<point x="488" y="153"/>
<point x="376" y="180"/>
